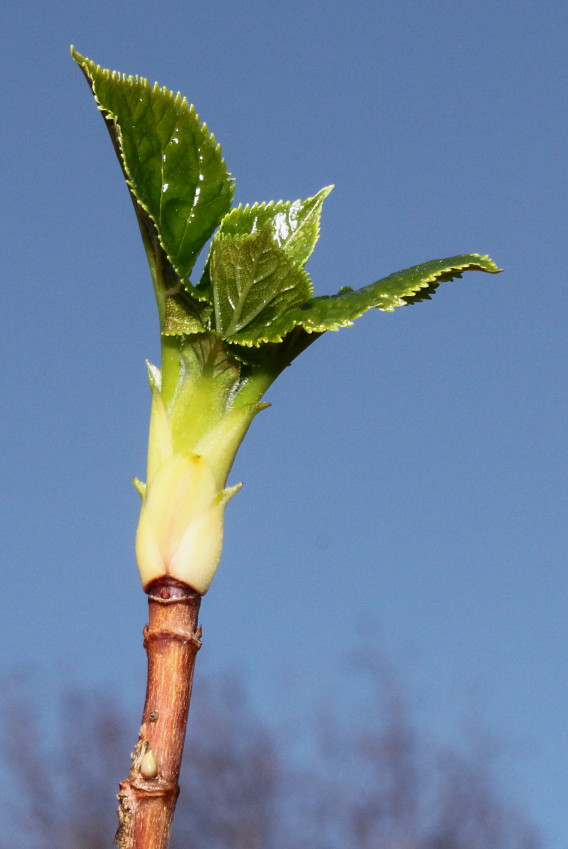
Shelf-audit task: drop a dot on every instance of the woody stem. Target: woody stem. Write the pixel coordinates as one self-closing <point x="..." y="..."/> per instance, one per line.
<point x="147" y="798"/>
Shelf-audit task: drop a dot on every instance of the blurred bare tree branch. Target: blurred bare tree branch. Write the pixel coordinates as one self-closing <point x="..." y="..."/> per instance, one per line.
<point x="368" y="782"/>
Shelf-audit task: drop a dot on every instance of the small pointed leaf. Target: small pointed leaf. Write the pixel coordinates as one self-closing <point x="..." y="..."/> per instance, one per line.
<point x="172" y="162"/>
<point x="140" y="487"/>
<point x="181" y="316"/>
<point x="399" y="289"/>
<point x="294" y="226"/>
<point x="254" y="284"/>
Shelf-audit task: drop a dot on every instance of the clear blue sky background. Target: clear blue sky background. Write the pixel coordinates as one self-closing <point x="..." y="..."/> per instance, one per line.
<point x="412" y="470"/>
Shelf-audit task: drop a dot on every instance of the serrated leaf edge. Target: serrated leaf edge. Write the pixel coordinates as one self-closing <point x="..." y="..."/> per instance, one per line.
<point x="89" y="67"/>
<point x="276" y="206"/>
<point x="275" y="247"/>
<point x="296" y="320"/>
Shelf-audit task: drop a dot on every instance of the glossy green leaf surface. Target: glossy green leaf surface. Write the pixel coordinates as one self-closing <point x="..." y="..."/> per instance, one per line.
<point x="172" y="162"/>
<point x="335" y="311"/>
<point x="254" y="284"/>
<point x="294" y="226"/>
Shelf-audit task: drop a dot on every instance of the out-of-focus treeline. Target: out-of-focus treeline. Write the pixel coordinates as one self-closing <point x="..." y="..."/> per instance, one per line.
<point x="365" y="778"/>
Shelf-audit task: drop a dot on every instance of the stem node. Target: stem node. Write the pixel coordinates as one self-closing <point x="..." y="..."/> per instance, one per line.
<point x="147" y="798"/>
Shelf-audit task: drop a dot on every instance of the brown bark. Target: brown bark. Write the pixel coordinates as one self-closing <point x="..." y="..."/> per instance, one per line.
<point x="147" y="798"/>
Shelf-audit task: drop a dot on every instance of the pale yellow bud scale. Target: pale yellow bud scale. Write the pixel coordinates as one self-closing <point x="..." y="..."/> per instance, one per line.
<point x="180" y="532"/>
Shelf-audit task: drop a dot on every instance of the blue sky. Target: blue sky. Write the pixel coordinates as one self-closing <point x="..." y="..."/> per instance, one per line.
<point x="411" y="473"/>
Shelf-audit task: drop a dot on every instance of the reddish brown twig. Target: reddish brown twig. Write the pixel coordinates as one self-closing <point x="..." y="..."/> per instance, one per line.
<point x="147" y="798"/>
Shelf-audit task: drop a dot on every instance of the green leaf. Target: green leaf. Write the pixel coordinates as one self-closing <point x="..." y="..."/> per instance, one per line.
<point x="399" y="289"/>
<point x="172" y="162"/>
<point x="254" y="284"/>
<point x="181" y="316"/>
<point x="293" y="226"/>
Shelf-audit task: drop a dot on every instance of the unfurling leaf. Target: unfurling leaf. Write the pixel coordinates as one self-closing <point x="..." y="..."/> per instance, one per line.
<point x="172" y="162"/>
<point x="330" y="312"/>
<point x="293" y="226"/>
<point x="183" y="315"/>
<point x="254" y="283"/>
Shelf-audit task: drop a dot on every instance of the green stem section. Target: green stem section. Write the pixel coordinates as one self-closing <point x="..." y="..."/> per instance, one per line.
<point x="210" y="397"/>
